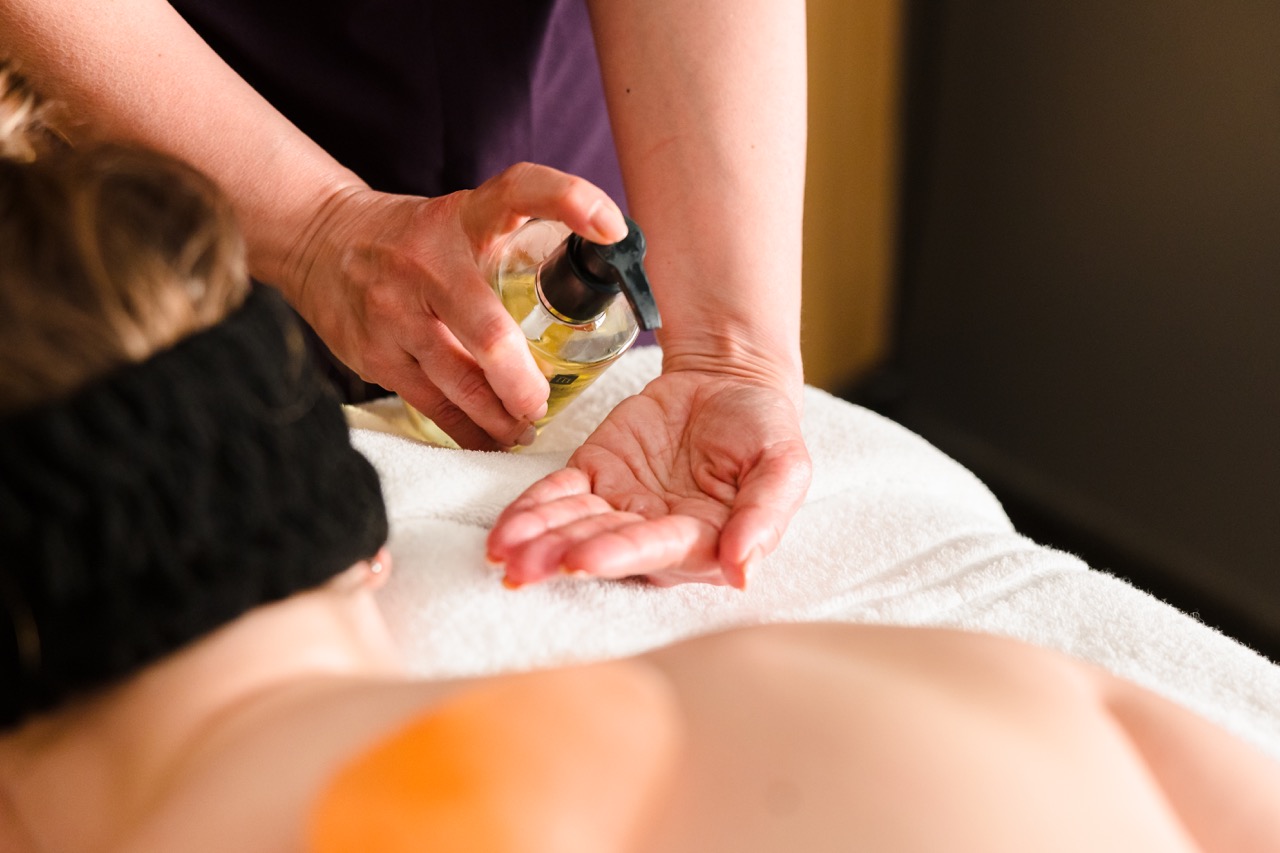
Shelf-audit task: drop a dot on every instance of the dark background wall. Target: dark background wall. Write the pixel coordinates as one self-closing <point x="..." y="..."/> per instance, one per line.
<point x="1089" y="282"/>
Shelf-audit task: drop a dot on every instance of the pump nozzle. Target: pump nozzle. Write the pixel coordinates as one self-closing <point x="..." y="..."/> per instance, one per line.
<point x="621" y="263"/>
<point x="580" y="280"/>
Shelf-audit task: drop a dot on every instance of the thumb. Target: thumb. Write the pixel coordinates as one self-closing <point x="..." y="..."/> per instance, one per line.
<point x="769" y="494"/>
<point x="502" y="203"/>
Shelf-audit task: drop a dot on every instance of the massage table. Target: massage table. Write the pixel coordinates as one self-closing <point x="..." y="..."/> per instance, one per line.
<point x="892" y="532"/>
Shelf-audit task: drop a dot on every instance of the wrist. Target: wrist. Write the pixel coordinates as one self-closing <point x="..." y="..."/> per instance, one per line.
<point x="283" y="244"/>
<point x="765" y="359"/>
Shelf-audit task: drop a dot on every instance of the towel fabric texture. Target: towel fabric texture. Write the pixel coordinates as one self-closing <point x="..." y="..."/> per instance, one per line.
<point x="893" y="531"/>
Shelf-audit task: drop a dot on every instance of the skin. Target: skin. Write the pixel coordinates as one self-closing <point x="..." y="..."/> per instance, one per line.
<point x="787" y="737"/>
<point x="709" y="117"/>
<point x="660" y="489"/>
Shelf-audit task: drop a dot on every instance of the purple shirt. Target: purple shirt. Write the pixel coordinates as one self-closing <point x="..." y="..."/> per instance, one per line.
<point x="425" y="97"/>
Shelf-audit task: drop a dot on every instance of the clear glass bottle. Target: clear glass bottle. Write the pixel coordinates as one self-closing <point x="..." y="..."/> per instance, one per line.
<point x="580" y="305"/>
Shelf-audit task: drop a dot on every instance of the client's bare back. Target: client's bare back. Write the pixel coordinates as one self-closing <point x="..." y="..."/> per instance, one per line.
<point x="814" y="738"/>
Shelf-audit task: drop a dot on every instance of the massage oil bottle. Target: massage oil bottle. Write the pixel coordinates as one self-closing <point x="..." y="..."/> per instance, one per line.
<point x="580" y="305"/>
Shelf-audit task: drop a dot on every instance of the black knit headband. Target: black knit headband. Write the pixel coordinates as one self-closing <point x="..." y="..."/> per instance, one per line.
<point x="166" y="499"/>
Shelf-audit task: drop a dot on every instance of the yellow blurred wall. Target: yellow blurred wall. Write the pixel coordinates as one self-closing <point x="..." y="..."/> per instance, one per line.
<point x="850" y="204"/>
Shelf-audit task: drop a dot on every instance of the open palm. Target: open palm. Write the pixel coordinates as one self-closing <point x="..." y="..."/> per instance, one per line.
<point x="692" y="480"/>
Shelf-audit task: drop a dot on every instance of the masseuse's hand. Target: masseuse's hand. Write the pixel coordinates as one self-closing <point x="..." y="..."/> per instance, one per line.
<point x="393" y="285"/>
<point x="692" y="480"/>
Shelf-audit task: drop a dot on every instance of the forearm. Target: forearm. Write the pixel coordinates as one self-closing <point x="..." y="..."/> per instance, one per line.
<point x="707" y="101"/>
<point x="137" y="73"/>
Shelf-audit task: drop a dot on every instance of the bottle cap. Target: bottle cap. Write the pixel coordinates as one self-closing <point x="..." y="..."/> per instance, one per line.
<point x="580" y="278"/>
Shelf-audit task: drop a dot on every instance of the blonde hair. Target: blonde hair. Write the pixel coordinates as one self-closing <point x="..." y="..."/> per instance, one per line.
<point x="107" y="254"/>
<point x="24" y="128"/>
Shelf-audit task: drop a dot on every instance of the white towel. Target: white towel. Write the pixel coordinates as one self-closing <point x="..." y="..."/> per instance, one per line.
<point x="893" y="531"/>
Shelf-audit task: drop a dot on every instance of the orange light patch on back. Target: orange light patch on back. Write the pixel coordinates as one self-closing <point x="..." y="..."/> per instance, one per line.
<point x="569" y="761"/>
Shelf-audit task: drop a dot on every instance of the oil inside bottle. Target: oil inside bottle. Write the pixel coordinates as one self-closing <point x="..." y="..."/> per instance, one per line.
<point x="571" y="352"/>
<point x="570" y="356"/>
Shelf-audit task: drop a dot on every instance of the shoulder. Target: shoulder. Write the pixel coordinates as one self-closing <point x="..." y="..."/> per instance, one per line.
<point x="565" y="760"/>
<point x="13" y="837"/>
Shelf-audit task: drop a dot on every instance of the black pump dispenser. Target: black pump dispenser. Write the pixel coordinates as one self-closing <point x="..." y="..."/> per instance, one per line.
<point x="580" y="278"/>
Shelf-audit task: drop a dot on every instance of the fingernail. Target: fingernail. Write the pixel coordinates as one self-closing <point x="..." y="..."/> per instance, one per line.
<point x="509" y="583"/>
<point x="493" y="562"/>
<point x="607" y="220"/>
<point x="749" y="565"/>
<point x="528" y="437"/>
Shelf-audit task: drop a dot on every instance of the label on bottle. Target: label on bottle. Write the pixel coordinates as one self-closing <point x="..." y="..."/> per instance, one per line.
<point x="565" y="387"/>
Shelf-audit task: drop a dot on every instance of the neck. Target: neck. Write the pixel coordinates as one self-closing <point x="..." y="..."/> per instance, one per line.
<point x="83" y="774"/>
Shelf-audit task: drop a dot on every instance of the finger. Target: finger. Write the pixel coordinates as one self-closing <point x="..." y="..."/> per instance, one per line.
<point x="454" y="423"/>
<point x="560" y="485"/>
<point x="644" y="547"/>
<point x="525" y="189"/>
<point x="489" y="342"/>
<point x="768" y="496"/>
<point x="553" y="487"/>
<point x="521" y="527"/>
<point x="416" y="389"/>
<point x="544" y="556"/>
<point x="464" y="400"/>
